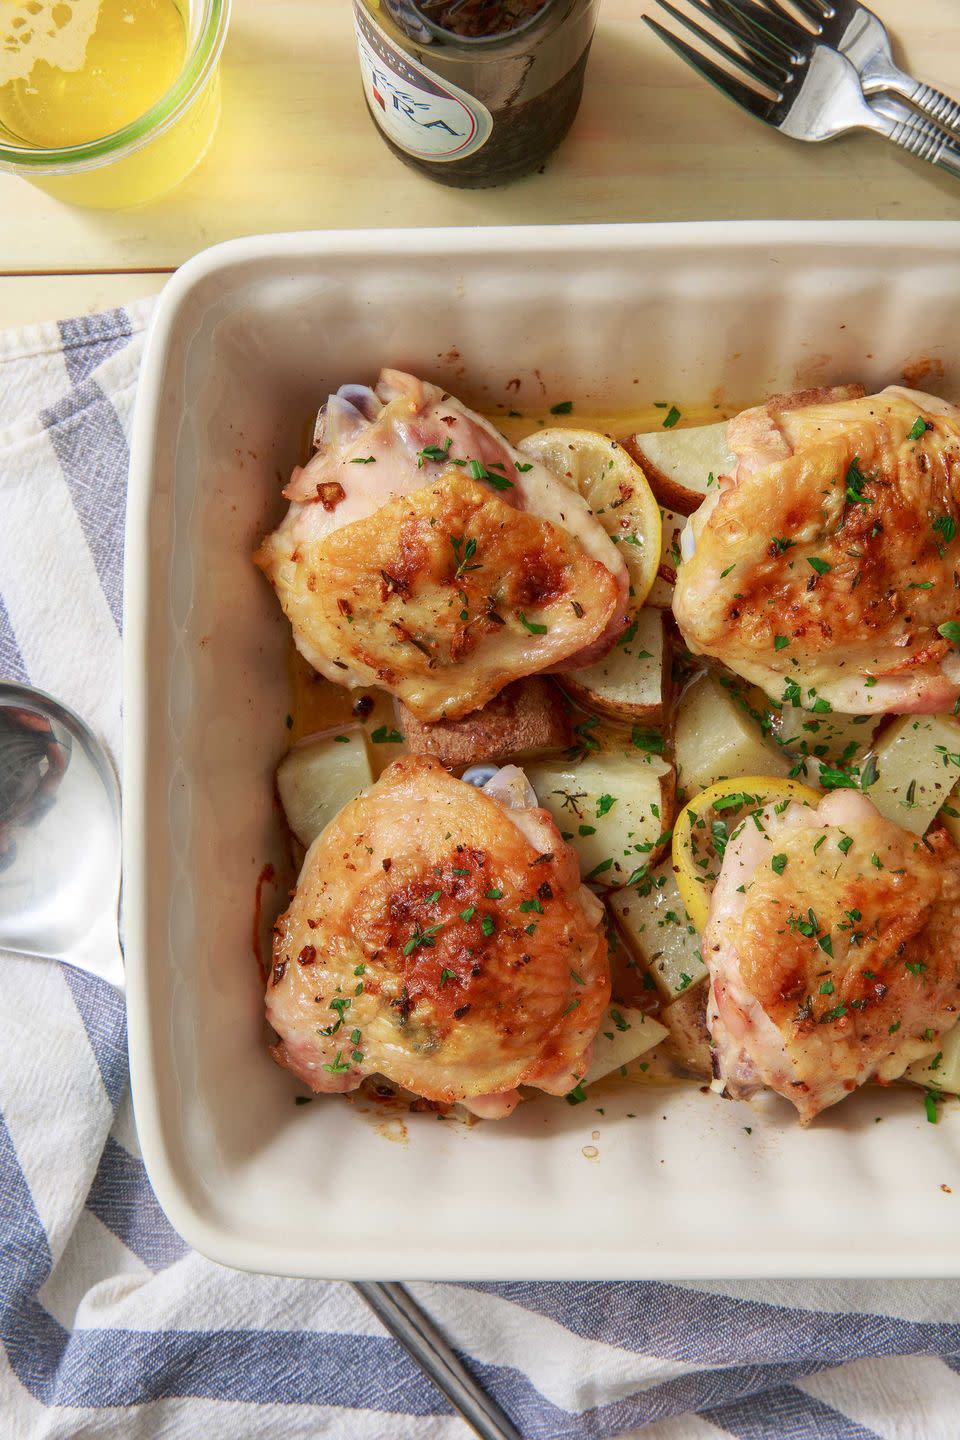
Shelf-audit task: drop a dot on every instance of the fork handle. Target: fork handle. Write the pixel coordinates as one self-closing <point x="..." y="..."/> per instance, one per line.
<point x="882" y="75"/>
<point x="939" y="107"/>
<point x="917" y="135"/>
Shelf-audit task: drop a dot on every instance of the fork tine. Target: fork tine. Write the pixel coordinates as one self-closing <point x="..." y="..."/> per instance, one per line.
<point x="816" y="11"/>
<point x="735" y="20"/>
<point x="755" y="69"/>
<point x="774" y="22"/>
<point x="733" y="88"/>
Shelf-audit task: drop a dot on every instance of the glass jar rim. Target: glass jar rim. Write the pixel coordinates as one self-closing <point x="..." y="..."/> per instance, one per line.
<point x="164" y="112"/>
<point x="476" y="41"/>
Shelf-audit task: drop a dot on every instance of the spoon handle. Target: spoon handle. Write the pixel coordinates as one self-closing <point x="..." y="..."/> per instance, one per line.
<point x="399" y="1313"/>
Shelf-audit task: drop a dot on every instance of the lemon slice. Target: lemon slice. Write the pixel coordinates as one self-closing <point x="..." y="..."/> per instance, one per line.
<point x="616" y="490"/>
<point x="704" y="826"/>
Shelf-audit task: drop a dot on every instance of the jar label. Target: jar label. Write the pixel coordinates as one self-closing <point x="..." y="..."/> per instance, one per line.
<point x="424" y="115"/>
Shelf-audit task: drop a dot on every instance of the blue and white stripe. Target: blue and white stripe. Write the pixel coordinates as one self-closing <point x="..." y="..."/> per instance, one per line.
<point x="110" y="1326"/>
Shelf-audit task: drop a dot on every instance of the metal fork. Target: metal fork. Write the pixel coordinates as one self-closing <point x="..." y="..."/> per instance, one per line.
<point x="816" y="91"/>
<point x="860" y="35"/>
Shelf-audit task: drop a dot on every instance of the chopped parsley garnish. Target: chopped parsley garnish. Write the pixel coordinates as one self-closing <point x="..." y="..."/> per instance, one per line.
<point x="826" y="987"/>
<point x="780" y="544"/>
<point x="831" y="779"/>
<point x="576" y="1096"/>
<point x="779" y="864"/>
<point x="446" y="975"/>
<point x="563" y="407"/>
<point x="364" y="460"/>
<point x="735" y="801"/>
<point x="599" y="869"/>
<point x="386" y="736"/>
<point x="494" y="893"/>
<point x="950" y="630"/>
<point x="780" y="642"/>
<point x="619" y="1020"/>
<point x="574" y="1005"/>
<point x="821" y="566"/>
<point x="526" y="906"/>
<point x="869" y="773"/>
<point x="836" y="1013"/>
<point x="463" y="554"/>
<point x="729" y="569"/>
<point x="421" y="938"/>
<point x="532" y="626"/>
<point x="946" y="527"/>
<point x="605" y="804"/>
<point x="436" y="452"/>
<point x="468" y="914"/>
<point x="479" y="471"/>
<point x="855" y="481"/>
<point x="577" y="979"/>
<point x="917" y="429"/>
<point x="522" y="465"/>
<point x="487" y="925"/>
<point x="930" y="1105"/>
<point x="432" y="898"/>
<point x="671" y="418"/>
<point x="648" y="740"/>
<point x="844" y="845"/>
<point x="339" y="1064"/>
<point x="916" y="967"/>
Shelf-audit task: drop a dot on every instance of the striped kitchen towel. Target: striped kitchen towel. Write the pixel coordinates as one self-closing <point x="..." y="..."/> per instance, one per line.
<point x="112" y="1327"/>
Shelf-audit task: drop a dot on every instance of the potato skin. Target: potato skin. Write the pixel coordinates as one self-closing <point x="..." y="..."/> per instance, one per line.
<point x="526" y="721"/>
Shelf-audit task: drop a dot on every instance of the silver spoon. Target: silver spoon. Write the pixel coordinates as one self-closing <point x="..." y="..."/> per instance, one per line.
<point x="59" y="836"/>
<point x="59" y="899"/>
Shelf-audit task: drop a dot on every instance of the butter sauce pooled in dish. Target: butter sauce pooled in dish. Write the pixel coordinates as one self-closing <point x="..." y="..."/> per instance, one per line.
<point x="723" y="843"/>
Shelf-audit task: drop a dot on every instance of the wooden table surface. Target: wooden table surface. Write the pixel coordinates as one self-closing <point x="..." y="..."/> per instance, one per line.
<point x="296" y="150"/>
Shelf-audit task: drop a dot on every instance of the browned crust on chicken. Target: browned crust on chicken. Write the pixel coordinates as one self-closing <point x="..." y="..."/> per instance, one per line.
<point x="444" y="595"/>
<point x="834" y="552"/>
<point x="427" y="925"/>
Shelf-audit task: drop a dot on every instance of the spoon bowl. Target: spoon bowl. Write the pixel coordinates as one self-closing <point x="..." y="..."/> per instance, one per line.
<point x="59" y="836"/>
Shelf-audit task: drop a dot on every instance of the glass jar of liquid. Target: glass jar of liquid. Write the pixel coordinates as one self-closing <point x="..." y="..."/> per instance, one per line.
<point x="108" y="102"/>
<point x="473" y="92"/>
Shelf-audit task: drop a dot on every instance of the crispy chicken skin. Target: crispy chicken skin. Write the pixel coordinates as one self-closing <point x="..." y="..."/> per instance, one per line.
<point x="422" y="553"/>
<point x="439" y="936"/>
<point x="824" y="565"/>
<point x="837" y="965"/>
<point x="386" y="600"/>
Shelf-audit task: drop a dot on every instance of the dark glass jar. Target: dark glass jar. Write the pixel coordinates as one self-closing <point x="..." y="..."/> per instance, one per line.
<point x="474" y="92"/>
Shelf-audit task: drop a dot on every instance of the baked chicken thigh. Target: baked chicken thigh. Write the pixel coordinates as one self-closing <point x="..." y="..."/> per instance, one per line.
<point x="439" y="936"/>
<point x="825" y="567"/>
<point x="423" y="554"/>
<point x="833" y="946"/>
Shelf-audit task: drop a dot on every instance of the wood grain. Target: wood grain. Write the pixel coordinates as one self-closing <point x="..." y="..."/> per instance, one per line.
<point x="30" y="299"/>
<point x="296" y="150"/>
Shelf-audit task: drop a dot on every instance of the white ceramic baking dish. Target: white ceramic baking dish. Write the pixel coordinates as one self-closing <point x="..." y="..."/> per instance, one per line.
<point x="248" y="339"/>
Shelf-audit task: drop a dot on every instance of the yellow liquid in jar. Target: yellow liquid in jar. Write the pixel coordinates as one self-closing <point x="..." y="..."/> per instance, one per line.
<point x="77" y="70"/>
